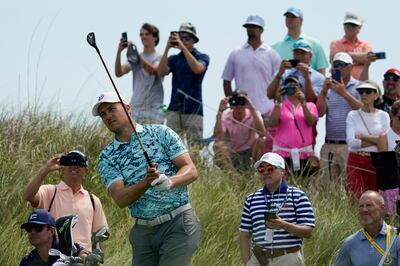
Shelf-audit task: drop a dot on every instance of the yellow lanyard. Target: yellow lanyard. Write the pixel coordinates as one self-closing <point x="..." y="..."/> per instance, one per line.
<point x="376" y="246"/>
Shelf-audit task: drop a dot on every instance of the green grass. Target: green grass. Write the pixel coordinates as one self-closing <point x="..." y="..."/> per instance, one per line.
<point x="29" y="138"/>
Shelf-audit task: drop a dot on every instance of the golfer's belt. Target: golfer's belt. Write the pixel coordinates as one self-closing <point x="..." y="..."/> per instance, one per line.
<point x="165" y="217"/>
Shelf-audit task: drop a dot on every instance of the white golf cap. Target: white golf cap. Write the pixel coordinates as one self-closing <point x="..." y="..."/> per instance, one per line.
<point x="254" y="20"/>
<point x="344" y="57"/>
<point x="353" y="19"/>
<point x="271" y="158"/>
<point x="107" y="97"/>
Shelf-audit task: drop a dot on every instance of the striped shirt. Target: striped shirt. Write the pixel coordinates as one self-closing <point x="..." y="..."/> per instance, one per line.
<point x="337" y="110"/>
<point x="290" y="203"/>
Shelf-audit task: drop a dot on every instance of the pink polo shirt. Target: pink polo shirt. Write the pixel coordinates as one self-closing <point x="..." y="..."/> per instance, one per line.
<point x="287" y="134"/>
<point x="343" y="45"/>
<point x="241" y="134"/>
<point x="67" y="203"/>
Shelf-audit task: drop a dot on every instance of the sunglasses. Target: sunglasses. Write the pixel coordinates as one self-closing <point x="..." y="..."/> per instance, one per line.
<point x="392" y="78"/>
<point x="339" y="64"/>
<point x="186" y="38"/>
<point x="266" y="169"/>
<point x="365" y="90"/>
<point x="350" y="25"/>
<point x="37" y="227"/>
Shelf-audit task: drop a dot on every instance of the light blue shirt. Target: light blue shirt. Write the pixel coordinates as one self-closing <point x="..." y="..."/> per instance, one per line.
<point x="125" y="162"/>
<point x="285" y="50"/>
<point x="357" y="251"/>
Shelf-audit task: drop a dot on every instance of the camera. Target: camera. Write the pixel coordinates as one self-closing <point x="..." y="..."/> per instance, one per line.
<point x="73" y="160"/>
<point x="290" y="88"/>
<point x="236" y="100"/>
<point x="173" y="33"/>
<point x="268" y="215"/>
<point x="294" y="62"/>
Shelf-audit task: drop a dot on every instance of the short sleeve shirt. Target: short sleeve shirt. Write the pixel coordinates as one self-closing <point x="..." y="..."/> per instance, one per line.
<point x="125" y="162"/>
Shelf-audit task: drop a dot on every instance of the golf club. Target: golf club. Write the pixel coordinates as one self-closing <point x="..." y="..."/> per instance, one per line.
<point x="91" y="39"/>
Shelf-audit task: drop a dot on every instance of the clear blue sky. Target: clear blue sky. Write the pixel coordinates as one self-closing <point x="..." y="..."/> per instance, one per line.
<point x="45" y="57"/>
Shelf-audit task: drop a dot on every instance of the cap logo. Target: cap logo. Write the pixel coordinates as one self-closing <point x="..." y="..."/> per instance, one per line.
<point x="351" y="16"/>
<point x="101" y="97"/>
<point x="33" y="216"/>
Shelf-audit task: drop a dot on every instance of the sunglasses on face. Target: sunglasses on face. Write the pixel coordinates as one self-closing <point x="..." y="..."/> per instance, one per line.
<point x="37" y="227"/>
<point x="365" y="90"/>
<point x="392" y="78"/>
<point x="266" y="169"/>
<point x="352" y="25"/>
<point x="339" y="64"/>
<point x="186" y="38"/>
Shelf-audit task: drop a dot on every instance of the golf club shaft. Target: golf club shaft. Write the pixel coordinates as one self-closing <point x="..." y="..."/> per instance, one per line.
<point x="126" y="112"/>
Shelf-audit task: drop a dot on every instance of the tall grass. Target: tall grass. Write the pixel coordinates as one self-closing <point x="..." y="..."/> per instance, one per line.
<point x="29" y="138"/>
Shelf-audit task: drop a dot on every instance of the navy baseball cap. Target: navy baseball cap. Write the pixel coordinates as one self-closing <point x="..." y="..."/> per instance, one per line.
<point x="40" y="216"/>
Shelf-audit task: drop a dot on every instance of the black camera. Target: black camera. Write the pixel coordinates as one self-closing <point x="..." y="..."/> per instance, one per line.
<point x="236" y="100"/>
<point x="73" y="160"/>
<point x="294" y="62"/>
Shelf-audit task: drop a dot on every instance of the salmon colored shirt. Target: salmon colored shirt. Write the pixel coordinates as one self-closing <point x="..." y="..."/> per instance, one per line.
<point x="67" y="203"/>
<point x="344" y="45"/>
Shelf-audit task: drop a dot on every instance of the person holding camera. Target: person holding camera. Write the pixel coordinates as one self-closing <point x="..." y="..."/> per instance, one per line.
<point x="294" y="119"/>
<point x="68" y="196"/>
<point x="238" y="132"/>
<point x="185" y="111"/>
<point x="148" y="92"/>
<point x="275" y="218"/>
<point x="310" y="79"/>
<point x="337" y="98"/>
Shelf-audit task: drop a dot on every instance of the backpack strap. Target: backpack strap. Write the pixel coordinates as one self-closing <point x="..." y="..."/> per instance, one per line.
<point x="92" y="200"/>
<point x="52" y="199"/>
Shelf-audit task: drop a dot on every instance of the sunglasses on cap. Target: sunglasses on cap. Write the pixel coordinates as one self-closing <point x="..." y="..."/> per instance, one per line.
<point x="391" y="77"/>
<point x="186" y="38"/>
<point x="37" y="227"/>
<point x="266" y="169"/>
<point x="365" y="90"/>
<point x="339" y="64"/>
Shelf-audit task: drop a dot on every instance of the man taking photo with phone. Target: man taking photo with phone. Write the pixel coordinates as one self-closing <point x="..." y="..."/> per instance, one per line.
<point x="68" y="196"/>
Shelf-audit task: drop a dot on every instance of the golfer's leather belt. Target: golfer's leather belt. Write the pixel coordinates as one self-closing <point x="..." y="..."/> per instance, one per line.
<point x="280" y="252"/>
<point x="165" y="217"/>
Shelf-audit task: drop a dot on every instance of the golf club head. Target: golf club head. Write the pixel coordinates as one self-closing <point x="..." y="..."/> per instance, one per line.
<point x="54" y="252"/>
<point x="91" y="39"/>
<point x="100" y="235"/>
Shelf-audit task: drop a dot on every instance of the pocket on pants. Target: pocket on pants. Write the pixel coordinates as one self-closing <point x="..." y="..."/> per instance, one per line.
<point x="190" y="222"/>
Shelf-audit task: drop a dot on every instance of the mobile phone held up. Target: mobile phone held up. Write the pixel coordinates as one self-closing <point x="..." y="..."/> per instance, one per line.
<point x="380" y="55"/>
<point x="270" y="215"/>
<point x="336" y="75"/>
<point x="124" y="36"/>
<point x="173" y="33"/>
<point x="294" y="62"/>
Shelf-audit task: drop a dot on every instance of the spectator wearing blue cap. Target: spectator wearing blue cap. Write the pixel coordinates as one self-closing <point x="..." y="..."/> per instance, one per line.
<point x="310" y="79"/>
<point x="41" y="231"/>
<point x="294" y="22"/>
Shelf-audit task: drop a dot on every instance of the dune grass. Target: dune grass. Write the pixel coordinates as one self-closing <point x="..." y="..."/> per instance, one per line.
<point x="29" y="138"/>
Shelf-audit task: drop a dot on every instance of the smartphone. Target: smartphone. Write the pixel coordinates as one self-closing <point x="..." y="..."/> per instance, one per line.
<point x="294" y="62"/>
<point x="336" y="75"/>
<point x="124" y="36"/>
<point x="269" y="215"/>
<point x="380" y="55"/>
<point x="172" y="34"/>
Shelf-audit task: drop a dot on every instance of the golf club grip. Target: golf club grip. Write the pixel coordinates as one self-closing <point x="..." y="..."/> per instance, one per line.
<point x="126" y="111"/>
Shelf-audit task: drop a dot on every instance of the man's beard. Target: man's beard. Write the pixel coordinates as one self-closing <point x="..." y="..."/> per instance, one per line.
<point x="366" y="220"/>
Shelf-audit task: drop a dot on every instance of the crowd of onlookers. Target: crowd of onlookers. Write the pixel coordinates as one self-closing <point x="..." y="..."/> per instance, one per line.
<point x="281" y="91"/>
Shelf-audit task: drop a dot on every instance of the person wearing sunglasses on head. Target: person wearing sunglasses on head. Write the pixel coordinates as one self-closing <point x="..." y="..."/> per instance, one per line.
<point x="366" y="131"/>
<point x="147" y="88"/>
<point x="68" y="196"/>
<point x="188" y="68"/>
<point x="42" y="234"/>
<point x="337" y="98"/>
<point x="275" y="218"/>
<point x="294" y="22"/>
<point x="350" y="43"/>
<point x="391" y="89"/>
<point x="310" y="79"/>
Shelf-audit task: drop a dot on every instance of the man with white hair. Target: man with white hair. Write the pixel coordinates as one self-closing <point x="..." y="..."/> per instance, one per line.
<point x="367" y="246"/>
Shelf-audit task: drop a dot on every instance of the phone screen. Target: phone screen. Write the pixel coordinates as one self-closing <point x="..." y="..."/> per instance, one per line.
<point x="336" y="75"/>
<point x="269" y="215"/>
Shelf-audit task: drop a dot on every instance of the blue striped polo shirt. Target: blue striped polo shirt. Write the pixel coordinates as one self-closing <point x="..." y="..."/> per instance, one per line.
<point x="337" y="110"/>
<point x="290" y="203"/>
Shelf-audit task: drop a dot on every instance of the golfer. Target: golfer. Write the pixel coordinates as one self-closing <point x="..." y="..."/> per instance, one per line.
<point x="166" y="230"/>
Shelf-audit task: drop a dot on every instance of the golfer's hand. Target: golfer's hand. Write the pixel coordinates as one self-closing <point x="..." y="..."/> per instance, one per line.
<point x="277" y="223"/>
<point x="152" y="174"/>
